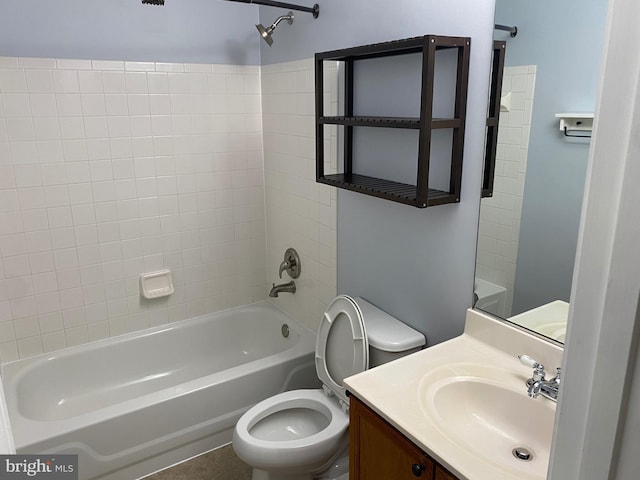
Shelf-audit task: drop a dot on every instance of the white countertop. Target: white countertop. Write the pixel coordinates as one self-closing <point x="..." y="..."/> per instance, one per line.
<point x="395" y="391"/>
<point x="549" y="320"/>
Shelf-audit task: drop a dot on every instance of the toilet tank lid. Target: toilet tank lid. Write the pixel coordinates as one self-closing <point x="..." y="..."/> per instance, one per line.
<point x="387" y="333"/>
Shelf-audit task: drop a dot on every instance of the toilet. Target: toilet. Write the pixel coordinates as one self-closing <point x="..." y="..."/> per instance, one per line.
<point x="303" y="434"/>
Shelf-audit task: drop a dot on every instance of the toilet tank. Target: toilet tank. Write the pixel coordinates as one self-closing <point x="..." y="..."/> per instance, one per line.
<point x="388" y="337"/>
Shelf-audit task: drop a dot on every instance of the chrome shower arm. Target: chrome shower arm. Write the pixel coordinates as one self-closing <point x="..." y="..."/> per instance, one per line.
<point x="288" y="18"/>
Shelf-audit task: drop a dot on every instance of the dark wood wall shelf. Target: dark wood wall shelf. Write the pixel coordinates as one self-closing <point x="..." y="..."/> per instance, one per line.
<point x="419" y="194"/>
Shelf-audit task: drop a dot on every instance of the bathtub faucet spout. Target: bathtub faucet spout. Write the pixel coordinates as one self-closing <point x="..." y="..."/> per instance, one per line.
<point x="283" y="287"/>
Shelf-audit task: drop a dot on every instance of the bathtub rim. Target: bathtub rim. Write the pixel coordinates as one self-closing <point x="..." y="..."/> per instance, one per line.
<point x="46" y="356"/>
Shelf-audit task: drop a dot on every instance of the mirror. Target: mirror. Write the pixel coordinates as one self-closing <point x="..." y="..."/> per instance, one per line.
<point x="529" y="226"/>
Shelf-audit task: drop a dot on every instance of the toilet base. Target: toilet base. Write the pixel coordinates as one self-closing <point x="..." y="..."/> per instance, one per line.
<point x="339" y="470"/>
<point x="264" y="475"/>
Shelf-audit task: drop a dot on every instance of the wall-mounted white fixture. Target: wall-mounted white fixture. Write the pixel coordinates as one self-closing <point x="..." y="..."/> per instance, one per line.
<point x="505" y="102"/>
<point x="156" y="284"/>
<point x="579" y="123"/>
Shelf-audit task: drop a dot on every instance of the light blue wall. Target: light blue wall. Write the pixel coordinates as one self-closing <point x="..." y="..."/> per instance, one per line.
<point x="198" y="31"/>
<point x="564" y="39"/>
<point x="416" y="264"/>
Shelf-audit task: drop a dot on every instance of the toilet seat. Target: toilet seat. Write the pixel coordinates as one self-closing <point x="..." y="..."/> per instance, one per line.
<point x="342" y="348"/>
<point x="304" y="453"/>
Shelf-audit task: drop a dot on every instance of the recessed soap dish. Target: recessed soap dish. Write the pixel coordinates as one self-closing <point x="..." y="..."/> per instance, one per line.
<point x="156" y="284"/>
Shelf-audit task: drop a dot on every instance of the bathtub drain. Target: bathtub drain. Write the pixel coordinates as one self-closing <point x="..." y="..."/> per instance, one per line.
<point x="285" y="330"/>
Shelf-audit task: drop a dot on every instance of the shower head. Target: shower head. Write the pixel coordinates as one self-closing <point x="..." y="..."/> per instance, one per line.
<point x="266" y="33"/>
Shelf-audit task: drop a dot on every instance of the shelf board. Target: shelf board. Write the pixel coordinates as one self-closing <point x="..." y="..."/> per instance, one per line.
<point x="437" y="123"/>
<point x="389" y="122"/>
<point x="396" y="47"/>
<point x="387" y="189"/>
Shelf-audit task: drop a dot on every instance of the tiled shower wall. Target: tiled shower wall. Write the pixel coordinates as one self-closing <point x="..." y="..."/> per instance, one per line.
<point x="112" y="169"/>
<point x="500" y="215"/>
<point x="300" y="213"/>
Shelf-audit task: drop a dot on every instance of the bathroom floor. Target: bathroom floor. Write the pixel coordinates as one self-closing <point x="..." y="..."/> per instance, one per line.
<point x="220" y="464"/>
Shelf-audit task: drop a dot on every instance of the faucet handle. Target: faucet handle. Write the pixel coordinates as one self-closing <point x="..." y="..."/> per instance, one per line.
<point x="283" y="266"/>
<point x="538" y="368"/>
<point x="527" y="361"/>
<point x="290" y="264"/>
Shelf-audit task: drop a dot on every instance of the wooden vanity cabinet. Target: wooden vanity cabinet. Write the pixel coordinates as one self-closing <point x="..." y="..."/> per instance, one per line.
<point x="378" y="451"/>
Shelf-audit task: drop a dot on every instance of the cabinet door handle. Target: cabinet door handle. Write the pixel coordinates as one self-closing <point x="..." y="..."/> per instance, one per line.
<point x="417" y="469"/>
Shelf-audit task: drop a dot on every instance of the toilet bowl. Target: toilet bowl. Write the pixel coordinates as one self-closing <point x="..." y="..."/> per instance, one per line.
<point x="294" y="432"/>
<point x="301" y="434"/>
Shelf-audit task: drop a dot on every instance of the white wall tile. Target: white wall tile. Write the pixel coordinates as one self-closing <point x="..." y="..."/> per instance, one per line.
<point x="16" y="105"/>
<point x="93" y="104"/>
<point x="33" y="220"/>
<point x="53" y="341"/>
<point x="16" y="266"/>
<point x="20" y="129"/>
<point x="23" y="307"/>
<point x="107" y="65"/>
<point x="43" y="104"/>
<point x="139" y="66"/>
<point x="109" y="170"/>
<point x="65" y="81"/>
<point x="136" y="83"/>
<point x="39" y="81"/>
<point x="30" y="346"/>
<point x="13" y="81"/>
<point x="90" y="82"/>
<point x="65" y="64"/>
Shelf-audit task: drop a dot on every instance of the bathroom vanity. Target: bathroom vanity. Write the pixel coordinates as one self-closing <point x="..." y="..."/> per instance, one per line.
<point x="378" y="450"/>
<point x="459" y="410"/>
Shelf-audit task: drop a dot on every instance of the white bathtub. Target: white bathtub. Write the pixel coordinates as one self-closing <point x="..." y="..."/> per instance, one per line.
<point x="134" y="404"/>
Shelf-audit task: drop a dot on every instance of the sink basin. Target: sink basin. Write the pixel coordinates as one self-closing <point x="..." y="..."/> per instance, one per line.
<point x="555" y="330"/>
<point x="488" y="413"/>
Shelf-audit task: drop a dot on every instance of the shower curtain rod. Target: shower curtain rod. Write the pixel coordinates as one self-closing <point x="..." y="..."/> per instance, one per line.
<point x="315" y="10"/>
<point x="512" y="30"/>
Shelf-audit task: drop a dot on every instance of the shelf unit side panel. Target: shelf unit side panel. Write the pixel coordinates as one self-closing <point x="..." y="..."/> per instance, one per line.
<point x="426" y="109"/>
<point x="457" y="150"/>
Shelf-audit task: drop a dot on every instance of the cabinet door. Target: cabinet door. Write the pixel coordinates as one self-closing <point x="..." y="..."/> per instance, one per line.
<point x="442" y="474"/>
<point x="379" y="452"/>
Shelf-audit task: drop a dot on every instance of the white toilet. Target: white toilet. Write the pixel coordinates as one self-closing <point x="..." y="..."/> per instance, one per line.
<point x="303" y="434"/>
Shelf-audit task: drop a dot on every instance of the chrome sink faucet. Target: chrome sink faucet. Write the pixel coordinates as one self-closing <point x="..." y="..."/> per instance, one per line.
<point x="538" y="384"/>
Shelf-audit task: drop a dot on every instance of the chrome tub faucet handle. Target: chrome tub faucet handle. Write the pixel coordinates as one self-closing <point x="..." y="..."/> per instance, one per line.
<point x="290" y="264"/>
